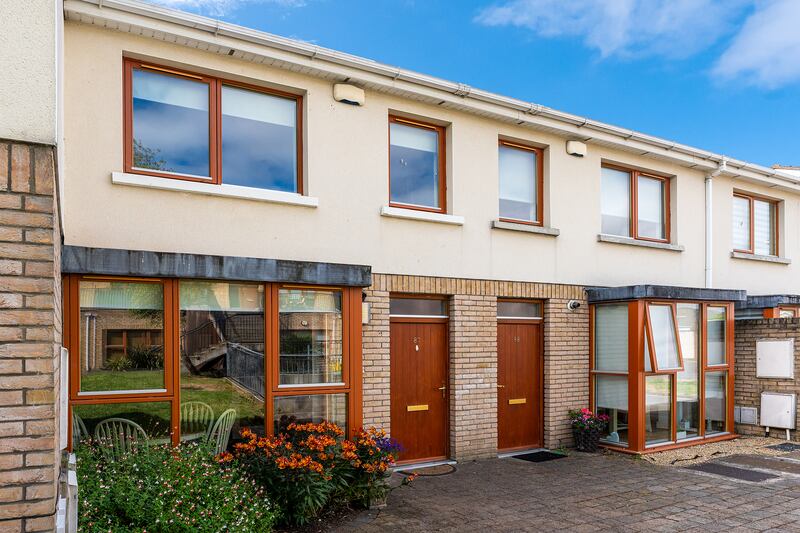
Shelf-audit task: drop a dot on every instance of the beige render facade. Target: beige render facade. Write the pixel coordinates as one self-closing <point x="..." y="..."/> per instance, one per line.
<point x="341" y="219"/>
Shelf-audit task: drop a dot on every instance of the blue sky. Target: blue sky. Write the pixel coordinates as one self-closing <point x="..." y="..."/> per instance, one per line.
<point x="723" y="75"/>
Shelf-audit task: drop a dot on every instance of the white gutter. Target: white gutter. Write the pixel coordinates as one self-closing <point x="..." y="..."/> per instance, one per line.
<point x="709" y="218"/>
<point x="117" y="14"/>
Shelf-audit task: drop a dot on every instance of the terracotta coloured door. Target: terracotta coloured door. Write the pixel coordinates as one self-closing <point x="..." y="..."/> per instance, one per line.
<point x="419" y="389"/>
<point x="519" y="385"/>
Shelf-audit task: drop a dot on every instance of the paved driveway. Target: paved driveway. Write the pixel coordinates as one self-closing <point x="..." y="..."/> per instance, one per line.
<point x="585" y="493"/>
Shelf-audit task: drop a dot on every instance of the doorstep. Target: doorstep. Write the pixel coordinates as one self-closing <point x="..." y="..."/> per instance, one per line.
<point x="512" y="453"/>
<point x="415" y="466"/>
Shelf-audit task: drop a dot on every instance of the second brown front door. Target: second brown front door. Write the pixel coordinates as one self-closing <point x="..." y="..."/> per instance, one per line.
<point x="519" y="385"/>
<point x="419" y="388"/>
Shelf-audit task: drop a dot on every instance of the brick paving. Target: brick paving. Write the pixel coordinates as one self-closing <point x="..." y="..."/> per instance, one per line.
<point x="584" y="493"/>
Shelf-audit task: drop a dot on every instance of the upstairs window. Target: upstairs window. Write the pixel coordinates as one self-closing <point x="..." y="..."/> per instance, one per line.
<point x="416" y="165"/>
<point x="520" y="183"/>
<point x="187" y="126"/>
<point x="755" y="225"/>
<point x="634" y="204"/>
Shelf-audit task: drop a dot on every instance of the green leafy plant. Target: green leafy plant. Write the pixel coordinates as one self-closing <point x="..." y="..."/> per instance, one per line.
<point x="310" y="467"/>
<point x="118" y="363"/>
<point x="146" y="357"/>
<point x="165" y="489"/>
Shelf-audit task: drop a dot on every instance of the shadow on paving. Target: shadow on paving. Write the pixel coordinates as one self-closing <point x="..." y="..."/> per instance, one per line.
<point x="584" y="492"/>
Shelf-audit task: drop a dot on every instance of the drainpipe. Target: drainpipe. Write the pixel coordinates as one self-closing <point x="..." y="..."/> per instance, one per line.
<point x="723" y="165"/>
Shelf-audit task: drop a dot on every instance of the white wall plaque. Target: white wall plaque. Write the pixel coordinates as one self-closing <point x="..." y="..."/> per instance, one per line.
<point x="775" y="358"/>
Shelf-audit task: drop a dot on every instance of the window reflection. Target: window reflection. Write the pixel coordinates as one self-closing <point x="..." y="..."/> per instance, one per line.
<point x="716" y="317"/>
<point x="665" y="345"/>
<point x="121" y="336"/>
<point x="170" y="123"/>
<point x="310" y="337"/>
<point x="414" y="165"/>
<point x="715" y="404"/>
<point x="518" y="184"/>
<point x="688" y="400"/>
<point x="152" y="417"/>
<point x="259" y="139"/>
<point x="611" y="398"/>
<point x="650" y="208"/>
<point x="310" y="408"/>
<point x="658" y="409"/>
<point x="615" y="202"/>
<point x="222" y="357"/>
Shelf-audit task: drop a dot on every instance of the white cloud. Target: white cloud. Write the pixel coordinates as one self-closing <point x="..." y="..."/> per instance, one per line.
<point x="766" y="52"/>
<point x="219" y="8"/>
<point x="670" y="28"/>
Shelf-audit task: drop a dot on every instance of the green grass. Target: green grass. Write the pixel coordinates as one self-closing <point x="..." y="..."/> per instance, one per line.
<point x="154" y="417"/>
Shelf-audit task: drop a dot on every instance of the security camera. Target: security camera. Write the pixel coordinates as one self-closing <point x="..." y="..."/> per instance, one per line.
<point x="573" y="305"/>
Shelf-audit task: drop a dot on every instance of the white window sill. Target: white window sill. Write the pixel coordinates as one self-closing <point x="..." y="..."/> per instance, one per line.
<point x="209" y="189"/>
<point x="616" y="239"/>
<point x="525" y="228"/>
<point x="764" y="258"/>
<point x="424" y="216"/>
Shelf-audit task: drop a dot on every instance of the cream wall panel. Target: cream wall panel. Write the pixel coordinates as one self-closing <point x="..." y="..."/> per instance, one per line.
<point x="346" y="168"/>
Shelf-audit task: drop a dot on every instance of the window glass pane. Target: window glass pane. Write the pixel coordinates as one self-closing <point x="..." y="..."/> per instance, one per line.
<point x="741" y="223"/>
<point x="650" y="198"/>
<point x="688" y="401"/>
<point x="170" y="123"/>
<point x="716" y="335"/>
<point x="611" y="398"/>
<point x="611" y="337"/>
<point x="259" y="139"/>
<point x="314" y="408"/>
<point x="518" y="184"/>
<point x="507" y="309"/>
<point x="121" y="336"/>
<point x="222" y="356"/>
<point x="764" y="227"/>
<point x="658" y="409"/>
<point x="615" y="202"/>
<point x="716" y="405"/>
<point x="787" y="313"/>
<point x="417" y="307"/>
<point x="648" y="363"/>
<point x="152" y="417"/>
<point x="664" y="342"/>
<point x="311" y="337"/>
<point x="414" y="165"/>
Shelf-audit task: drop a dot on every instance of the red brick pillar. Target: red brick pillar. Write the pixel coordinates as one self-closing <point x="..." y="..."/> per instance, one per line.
<point x="30" y="338"/>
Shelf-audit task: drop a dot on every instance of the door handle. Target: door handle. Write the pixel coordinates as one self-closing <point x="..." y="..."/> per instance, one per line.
<point x="501" y="386"/>
<point x="442" y="388"/>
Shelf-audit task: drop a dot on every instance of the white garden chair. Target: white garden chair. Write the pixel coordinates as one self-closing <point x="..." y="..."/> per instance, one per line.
<point x="220" y="434"/>
<point x="119" y="436"/>
<point x="197" y="419"/>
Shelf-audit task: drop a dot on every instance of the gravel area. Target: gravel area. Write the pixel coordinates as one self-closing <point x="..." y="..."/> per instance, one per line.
<point x="714" y="450"/>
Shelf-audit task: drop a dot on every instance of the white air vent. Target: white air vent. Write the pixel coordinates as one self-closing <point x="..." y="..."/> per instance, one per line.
<point x="778" y="410"/>
<point x="775" y="358"/>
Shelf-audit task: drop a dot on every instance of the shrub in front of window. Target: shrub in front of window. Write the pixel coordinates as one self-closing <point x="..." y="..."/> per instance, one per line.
<point x="310" y="467"/>
<point x="165" y="489"/>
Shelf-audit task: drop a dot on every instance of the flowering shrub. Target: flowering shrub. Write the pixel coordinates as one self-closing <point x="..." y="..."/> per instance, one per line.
<point x="165" y="489"/>
<point x="584" y="419"/>
<point x="311" y="466"/>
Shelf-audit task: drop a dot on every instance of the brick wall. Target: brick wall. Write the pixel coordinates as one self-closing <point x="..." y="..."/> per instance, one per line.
<point x="30" y="338"/>
<point x="473" y="356"/>
<point x="747" y="387"/>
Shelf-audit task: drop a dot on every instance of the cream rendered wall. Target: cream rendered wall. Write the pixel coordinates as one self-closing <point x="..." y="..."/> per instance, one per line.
<point x="346" y="168"/>
<point x="28" y="66"/>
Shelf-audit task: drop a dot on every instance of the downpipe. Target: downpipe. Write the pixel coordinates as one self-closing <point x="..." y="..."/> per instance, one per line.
<point x="709" y="182"/>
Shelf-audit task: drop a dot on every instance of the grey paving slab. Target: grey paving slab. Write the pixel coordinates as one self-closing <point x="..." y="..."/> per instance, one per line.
<point x="584" y="493"/>
<point x="764" y="462"/>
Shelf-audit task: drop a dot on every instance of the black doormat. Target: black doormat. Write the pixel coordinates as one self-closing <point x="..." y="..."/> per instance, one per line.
<point x="539" y="457"/>
<point x="785" y="447"/>
<point x="731" y="471"/>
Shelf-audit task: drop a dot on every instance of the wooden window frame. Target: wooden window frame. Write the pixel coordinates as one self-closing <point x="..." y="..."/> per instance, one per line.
<point x="441" y="132"/>
<point x="637" y="310"/>
<point x="651" y="341"/>
<point x="215" y="85"/>
<point x="351" y="352"/>
<point x="775" y="312"/>
<point x="633" y="201"/>
<point x="539" y="185"/>
<point x="751" y="198"/>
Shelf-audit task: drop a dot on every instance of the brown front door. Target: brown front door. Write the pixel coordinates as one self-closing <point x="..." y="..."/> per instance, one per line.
<point x="419" y="388"/>
<point x="519" y="385"/>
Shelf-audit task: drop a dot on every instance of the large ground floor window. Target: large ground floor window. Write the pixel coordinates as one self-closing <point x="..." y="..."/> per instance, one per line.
<point x="175" y="360"/>
<point x="662" y="371"/>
